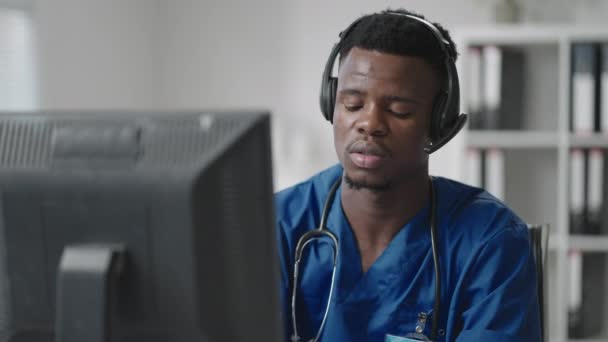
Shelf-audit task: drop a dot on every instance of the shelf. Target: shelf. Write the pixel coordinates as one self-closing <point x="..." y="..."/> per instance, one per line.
<point x="526" y="34"/>
<point x="588" y="243"/>
<point x="512" y="139"/>
<point x="511" y="34"/>
<point x="589" y="140"/>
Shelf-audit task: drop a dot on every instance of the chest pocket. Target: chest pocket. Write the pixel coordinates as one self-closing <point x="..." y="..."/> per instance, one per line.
<point x="413" y="319"/>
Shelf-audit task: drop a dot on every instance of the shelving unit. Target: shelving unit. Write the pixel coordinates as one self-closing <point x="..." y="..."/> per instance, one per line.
<point x="512" y="139"/>
<point x="537" y="155"/>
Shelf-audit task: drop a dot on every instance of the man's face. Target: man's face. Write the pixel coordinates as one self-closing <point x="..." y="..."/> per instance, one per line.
<point x="382" y="116"/>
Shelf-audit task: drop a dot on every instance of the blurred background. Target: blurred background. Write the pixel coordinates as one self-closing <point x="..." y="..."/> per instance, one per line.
<point x="269" y="54"/>
<point x="526" y="142"/>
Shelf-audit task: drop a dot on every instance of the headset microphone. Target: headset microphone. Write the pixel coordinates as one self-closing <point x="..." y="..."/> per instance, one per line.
<point x="452" y="131"/>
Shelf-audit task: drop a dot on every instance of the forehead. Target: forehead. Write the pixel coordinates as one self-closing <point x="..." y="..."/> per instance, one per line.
<point x="365" y="68"/>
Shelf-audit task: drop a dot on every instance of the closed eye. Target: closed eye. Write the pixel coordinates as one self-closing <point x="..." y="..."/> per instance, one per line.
<point x="352" y="108"/>
<point x="402" y="107"/>
<point x="400" y="114"/>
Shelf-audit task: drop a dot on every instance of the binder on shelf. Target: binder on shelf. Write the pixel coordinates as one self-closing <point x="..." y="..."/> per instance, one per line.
<point x="492" y="81"/>
<point x="474" y="87"/>
<point x="512" y="88"/>
<point x="495" y="173"/>
<point x="586" y="308"/>
<point x="603" y="229"/>
<point x="583" y="81"/>
<point x="594" y="290"/>
<point x="496" y="89"/>
<point x="577" y="191"/>
<point x="575" y="292"/>
<point x="595" y="191"/>
<point x="603" y="86"/>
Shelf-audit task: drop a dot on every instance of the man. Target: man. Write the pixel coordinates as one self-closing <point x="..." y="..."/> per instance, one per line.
<point x="395" y="81"/>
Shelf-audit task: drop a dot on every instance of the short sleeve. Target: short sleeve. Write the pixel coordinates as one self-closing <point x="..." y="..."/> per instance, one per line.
<point x="500" y="301"/>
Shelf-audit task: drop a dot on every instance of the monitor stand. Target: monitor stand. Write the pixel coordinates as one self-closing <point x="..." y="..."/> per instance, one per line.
<point x="87" y="281"/>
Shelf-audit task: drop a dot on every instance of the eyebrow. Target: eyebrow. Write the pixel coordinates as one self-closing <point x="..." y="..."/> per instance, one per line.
<point x="394" y="98"/>
<point x="350" y="91"/>
<point x="390" y="98"/>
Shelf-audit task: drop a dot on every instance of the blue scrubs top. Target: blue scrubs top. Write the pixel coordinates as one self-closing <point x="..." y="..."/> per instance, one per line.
<point x="488" y="278"/>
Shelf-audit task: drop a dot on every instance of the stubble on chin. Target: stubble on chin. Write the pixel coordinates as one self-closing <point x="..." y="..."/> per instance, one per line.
<point x="364" y="185"/>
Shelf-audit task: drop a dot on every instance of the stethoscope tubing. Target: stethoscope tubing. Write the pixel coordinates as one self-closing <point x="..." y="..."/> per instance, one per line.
<point x="434" y="248"/>
<point x="322" y="231"/>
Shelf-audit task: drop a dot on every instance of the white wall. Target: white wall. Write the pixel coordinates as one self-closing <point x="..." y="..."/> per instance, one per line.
<point x="583" y="12"/>
<point x="230" y="54"/>
<point x="17" y="72"/>
<point x="236" y="54"/>
<point x="98" y="54"/>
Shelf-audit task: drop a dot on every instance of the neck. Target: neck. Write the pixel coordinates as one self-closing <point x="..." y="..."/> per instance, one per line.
<point x="377" y="216"/>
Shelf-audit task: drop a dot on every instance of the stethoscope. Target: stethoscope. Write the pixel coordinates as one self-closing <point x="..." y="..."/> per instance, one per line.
<point x="323" y="232"/>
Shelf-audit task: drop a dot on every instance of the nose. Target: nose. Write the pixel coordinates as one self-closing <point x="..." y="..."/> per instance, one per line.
<point x="372" y="121"/>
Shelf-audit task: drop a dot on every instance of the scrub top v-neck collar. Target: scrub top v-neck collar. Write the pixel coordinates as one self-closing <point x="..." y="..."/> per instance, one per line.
<point x="352" y="284"/>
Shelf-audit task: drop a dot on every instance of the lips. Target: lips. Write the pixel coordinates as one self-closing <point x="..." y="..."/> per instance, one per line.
<point x="366" y="155"/>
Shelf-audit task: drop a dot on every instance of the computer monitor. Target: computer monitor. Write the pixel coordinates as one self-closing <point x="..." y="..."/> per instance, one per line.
<point x="137" y="227"/>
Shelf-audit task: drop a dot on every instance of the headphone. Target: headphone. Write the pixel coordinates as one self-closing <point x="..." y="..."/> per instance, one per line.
<point x="446" y="121"/>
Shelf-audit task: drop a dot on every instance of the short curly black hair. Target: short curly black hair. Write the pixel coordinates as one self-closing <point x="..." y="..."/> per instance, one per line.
<point x="398" y="35"/>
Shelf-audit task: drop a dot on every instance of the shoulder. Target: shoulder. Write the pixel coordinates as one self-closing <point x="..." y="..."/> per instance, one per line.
<point x="299" y="208"/>
<point x="304" y="201"/>
<point x="472" y="216"/>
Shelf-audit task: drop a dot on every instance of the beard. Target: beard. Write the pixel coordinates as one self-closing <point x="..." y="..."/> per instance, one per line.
<point x="361" y="185"/>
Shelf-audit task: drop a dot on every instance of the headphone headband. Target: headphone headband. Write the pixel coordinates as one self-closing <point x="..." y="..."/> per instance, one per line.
<point x="445" y="118"/>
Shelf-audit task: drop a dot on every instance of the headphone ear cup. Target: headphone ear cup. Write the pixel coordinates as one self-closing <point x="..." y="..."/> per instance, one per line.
<point x="446" y="121"/>
<point x="324" y="98"/>
<point x="436" y="125"/>
<point x="329" y="85"/>
<point x="332" y="87"/>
